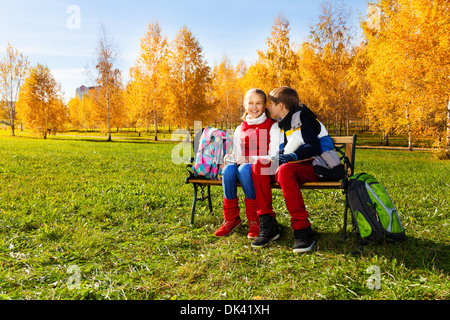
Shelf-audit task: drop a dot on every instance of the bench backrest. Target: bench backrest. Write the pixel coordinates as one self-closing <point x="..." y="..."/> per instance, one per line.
<point x="346" y="146"/>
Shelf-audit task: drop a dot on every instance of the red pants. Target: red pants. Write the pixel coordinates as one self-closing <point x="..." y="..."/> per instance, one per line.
<point x="289" y="176"/>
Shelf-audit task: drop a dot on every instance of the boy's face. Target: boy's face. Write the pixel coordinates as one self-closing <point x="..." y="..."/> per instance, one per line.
<point x="276" y="110"/>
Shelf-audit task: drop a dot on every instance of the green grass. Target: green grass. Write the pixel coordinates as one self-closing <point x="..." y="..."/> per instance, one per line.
<point x="119" y="212"/>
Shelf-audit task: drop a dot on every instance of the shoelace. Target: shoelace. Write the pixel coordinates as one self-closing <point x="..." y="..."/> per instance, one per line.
<point x="252" y="223"/>
<point x="227" y="224"/>
<point x="265" y="228"/>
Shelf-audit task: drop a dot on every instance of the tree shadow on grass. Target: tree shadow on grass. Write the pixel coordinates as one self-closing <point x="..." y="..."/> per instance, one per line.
<point x="114" y="140"/>
<point x="413" y="253"/>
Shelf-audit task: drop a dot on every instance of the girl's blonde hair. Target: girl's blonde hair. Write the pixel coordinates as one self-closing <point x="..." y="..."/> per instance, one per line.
<point x="247" y="96"/>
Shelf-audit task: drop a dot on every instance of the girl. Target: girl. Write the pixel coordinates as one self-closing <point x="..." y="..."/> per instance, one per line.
<point x="256" y="138"/>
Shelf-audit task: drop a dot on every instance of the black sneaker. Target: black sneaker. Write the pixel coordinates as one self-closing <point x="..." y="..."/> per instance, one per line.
<point x="304" y="240"/>
<point x="268" y="231"/>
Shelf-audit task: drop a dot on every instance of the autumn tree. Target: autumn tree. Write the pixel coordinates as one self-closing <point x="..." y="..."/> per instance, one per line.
<point x="74" y="111"/>
<point x="329" y="61"/>
<point x="133" y="100"/>
<point x="40" y="102"/>
<point x="306" y="84"/>
<point x="227" y="93"/>
<point x="107" y="98"/>
<point x="409" y="66"/>
<point x="149" y="78"/>
<point x="241" y="72"/>
<point x="256" y="77"/>
<point x="358" y="83"/>
<point x="423" y="46"/>
<point x="13" y="70"/>
<point x="279" y="57"/>
<point x="189" y="80"/>
<point x="81" y="111"/>
<point x="277" y="65"/>
<point x="386" y="99"/>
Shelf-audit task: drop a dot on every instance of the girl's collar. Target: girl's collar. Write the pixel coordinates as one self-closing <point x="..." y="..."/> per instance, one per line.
<point x="258" y="120"/>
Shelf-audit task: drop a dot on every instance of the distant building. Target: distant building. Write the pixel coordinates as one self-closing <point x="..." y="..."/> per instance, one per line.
<point x="81" y="91"/>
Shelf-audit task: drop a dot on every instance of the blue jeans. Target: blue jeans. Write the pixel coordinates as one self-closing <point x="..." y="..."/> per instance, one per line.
<point x="233" y="173"/>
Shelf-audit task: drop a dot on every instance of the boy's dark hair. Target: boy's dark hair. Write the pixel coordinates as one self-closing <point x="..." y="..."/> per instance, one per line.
<point x="287" y="95"/>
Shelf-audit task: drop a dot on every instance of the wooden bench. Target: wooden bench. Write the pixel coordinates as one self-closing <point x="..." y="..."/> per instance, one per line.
<point x="345" y="146"/>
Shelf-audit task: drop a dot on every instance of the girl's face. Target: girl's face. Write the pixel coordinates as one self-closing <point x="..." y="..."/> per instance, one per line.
<point x="255" y="106"/>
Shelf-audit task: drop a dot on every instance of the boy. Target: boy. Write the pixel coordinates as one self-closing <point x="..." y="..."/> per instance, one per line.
<point x="299" y="126"/>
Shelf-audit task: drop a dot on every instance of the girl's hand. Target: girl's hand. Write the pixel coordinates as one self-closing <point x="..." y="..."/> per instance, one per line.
<point x="229" y="158"/>
<point x="241" y="160"/>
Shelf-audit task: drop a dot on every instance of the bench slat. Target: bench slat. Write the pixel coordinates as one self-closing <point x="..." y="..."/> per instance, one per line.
<point x="306" y="185"/>
<point x="342" y="140"/>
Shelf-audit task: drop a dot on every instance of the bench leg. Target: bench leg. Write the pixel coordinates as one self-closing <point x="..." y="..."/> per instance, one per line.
<point x="209" y="199"/>
<point x="203" y="197"/>
<point x="345" y="215"/>
<point x="194" y="203"/>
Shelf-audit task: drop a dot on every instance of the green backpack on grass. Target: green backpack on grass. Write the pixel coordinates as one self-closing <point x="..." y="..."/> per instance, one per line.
<point x="374" y="214"/>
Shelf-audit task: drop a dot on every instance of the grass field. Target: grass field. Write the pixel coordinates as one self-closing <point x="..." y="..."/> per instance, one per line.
<point x="81" y="218"/>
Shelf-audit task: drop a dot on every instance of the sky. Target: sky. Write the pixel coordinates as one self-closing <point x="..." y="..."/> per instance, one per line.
<point x="63" y="35"/>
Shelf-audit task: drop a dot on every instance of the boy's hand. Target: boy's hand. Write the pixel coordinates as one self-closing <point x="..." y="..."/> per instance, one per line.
<point x="285" y="158"/>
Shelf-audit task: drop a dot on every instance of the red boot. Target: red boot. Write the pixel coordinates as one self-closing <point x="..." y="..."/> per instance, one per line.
<point x="231" y="214"/>
<point x="252" y="217"/>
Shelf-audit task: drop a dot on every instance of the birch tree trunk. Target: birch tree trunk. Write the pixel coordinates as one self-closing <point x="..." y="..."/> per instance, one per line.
<point x="448" y="127"/>
<point x="408" y="124"/>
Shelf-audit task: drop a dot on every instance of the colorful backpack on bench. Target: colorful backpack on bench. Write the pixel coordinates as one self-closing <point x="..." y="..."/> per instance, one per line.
<point x="213" y="145"/>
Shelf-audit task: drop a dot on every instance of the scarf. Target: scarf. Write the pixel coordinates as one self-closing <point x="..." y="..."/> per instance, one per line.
<point x="255" y="136"/>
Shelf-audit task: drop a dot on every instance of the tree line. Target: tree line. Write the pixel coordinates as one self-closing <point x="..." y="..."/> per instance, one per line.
<point x="395" y="81"/>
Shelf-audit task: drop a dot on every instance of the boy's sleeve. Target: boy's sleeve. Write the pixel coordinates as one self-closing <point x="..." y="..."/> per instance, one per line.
<point x="311" y="147"/>
<point x="274" y="144"/>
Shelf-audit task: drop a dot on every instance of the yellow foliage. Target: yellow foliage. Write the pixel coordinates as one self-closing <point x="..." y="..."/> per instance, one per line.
<point x="397" y="78"/>
<point x="227" y="93"/>
<point x="147" y="93"/>
<point x="189" y="81"/>
<point x="40" y="104"/>
<point x="409" y="66"/>
<point x="277" y="65"/>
